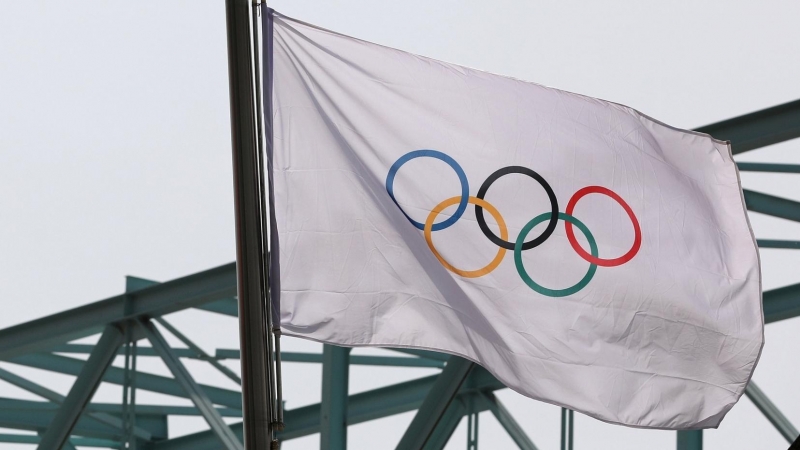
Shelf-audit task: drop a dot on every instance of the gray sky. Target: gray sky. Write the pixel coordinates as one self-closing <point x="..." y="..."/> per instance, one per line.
<point x="115" y="157"/>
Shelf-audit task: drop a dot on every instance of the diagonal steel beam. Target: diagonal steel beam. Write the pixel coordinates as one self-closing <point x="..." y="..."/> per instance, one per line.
<point x="508" y="422"/>
<point x="30" y="386"/>
<point x="58" y="399"/>
<point x="446" y="425"/>
<point x="782" y="303"/>
<point x="202" y="354"/>
<point x="470" y="400"/>
<point x="758" y="129"/>
<point x="67" y="445"/>
<point x="36" y="419"/>
<point x="82" y="390"/>
<point x="193" y="390"/>
<point x="115" y="375"/>
<point x="226" y="306"/>
<point x="175" y="295"/>
<point x="434" y="406"/>
<point x="772" y="205"/>
<point x="772" y="413"/>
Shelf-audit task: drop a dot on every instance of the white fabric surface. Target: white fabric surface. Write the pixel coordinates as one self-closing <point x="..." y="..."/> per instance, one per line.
<point x="669" y="339"/>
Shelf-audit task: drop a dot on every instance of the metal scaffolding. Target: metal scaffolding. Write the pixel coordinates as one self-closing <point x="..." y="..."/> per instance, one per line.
<point x="461" y="389"/>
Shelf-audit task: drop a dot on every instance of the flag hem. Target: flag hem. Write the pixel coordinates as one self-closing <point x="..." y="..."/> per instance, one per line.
<point x="273" y="259"/>
<point x="760" y="278"/>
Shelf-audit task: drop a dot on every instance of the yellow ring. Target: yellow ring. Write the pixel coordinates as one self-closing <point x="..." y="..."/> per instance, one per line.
<point x="483" y="204"/>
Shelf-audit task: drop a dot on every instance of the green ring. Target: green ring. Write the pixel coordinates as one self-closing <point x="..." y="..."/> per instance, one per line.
<point x="521" y="268"/>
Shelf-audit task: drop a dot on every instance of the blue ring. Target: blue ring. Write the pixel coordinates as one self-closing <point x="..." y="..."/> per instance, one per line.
<point x="462" y="205"/>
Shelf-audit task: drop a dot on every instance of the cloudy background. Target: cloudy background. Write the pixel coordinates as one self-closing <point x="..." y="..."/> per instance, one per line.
<point x="115" y="159"/>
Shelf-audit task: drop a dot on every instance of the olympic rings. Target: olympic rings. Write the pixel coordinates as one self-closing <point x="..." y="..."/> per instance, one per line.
<point x="524" y="274"/>
<point x="478" y="202"/>
<point x="637" y="232"/>
<point x="551" y="226"/>
<point x="519" y="244"/>
<point x="462" y="205"/>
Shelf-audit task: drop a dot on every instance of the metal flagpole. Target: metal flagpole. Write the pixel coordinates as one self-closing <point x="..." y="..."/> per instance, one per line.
<point x="258" y="402"/>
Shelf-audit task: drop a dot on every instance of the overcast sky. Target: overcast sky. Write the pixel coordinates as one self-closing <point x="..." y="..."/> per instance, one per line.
<point x="115" y="158"/>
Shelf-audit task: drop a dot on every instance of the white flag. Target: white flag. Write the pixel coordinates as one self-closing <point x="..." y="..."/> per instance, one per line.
<point x="585" y="254"/>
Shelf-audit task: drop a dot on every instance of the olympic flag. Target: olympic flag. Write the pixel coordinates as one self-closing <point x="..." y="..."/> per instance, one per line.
<point x="585" y="254"/>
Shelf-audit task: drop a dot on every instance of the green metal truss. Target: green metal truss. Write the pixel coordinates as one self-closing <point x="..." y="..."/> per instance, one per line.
<point x="460" y="389"/>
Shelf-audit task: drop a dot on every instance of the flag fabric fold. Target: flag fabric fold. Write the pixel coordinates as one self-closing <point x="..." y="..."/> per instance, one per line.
<point x="585" y="254"/>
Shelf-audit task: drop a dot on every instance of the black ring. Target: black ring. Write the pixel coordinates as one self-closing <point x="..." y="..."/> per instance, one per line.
<point x="551" y="225"/>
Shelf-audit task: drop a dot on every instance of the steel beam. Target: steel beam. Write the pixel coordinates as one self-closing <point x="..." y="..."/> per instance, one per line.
<point x="436" y="356"/>
<point x="137" y="284"/>
<point x="175" y="295"/>
<point x="58" y="399"/>
<point x="30" y="386"/>
<point x="362" y="407"/>
<point x="226" y="306"/>
<point x="115" y="375"/>
<point x="202" y="354"/>
<point x="381" y="402"/>
<point x="37" y="416"/>
<point x="76" y="441"/>
<point x="567" y="429"/>
<point x="67" y="445"/>
<point x="774" y="243"/>
<point x="771" y="412"/>
<point x="690" y="440"/>
<point x="34" y="415"/>
<point x="82" y="389"/>
<point x="473" y="422"/>
<point x="333" y="407"/>
<point x="772" y="205"/>
<point x="768" y="167"/>
<point x="8" y="404"/>
<point x="36" y="419"/>
<point x="85" y="349"/>
<point x="365" y="360"/>
<point x="508" y="422"/>
<point x="758" y="129"/>
<point x="446" y="425"/>
<point x="193" y="390"/>
<point x="436" y="402"/>
<point x="782" y="303"/>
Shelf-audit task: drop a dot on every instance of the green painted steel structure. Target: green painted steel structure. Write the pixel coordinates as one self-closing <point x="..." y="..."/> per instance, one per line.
<point x="690" y="440"/>
<point x="461" y="389"/>
<point x="333" y="408"/>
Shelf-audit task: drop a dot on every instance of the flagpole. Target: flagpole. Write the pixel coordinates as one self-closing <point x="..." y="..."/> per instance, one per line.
<point x="258" y="402"/>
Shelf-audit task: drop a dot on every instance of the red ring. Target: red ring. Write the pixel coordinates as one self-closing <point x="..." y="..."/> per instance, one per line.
<point x="637" y="240"/>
